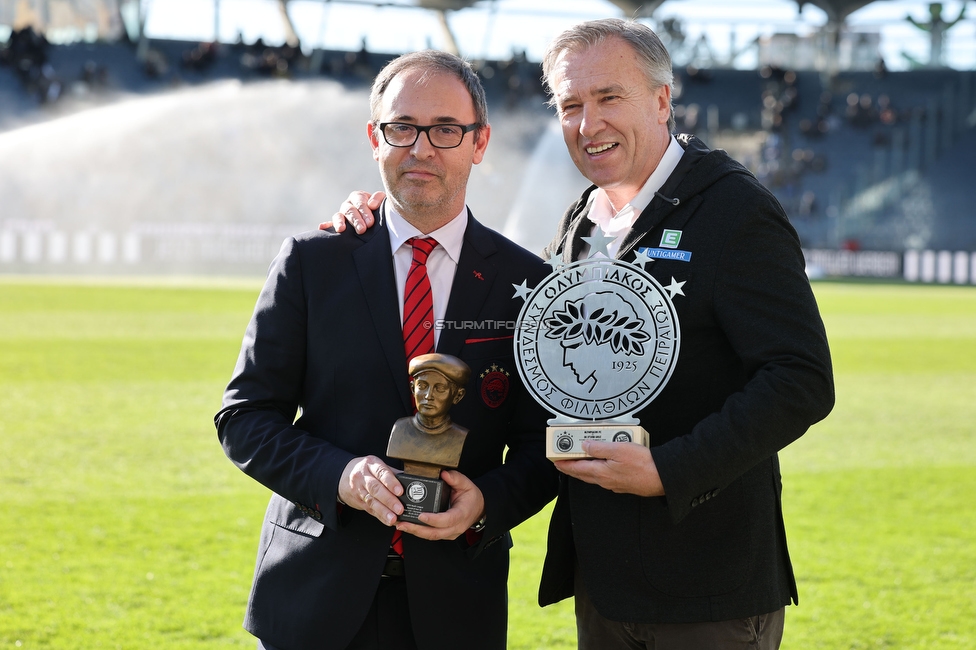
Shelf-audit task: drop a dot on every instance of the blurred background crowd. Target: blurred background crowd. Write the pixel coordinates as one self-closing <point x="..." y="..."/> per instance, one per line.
<point x="126" y="146"/>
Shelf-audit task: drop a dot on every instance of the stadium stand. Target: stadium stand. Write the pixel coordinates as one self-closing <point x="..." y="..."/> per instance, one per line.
<point x="222" y="154"/>
<point x="861" y="161"/>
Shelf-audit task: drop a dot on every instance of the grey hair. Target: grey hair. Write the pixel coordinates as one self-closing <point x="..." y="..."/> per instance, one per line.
<point x="430" y="61"/>
<point x="652" y="56"/>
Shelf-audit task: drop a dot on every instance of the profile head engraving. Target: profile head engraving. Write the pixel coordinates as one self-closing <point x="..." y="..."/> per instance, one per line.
<point x="601" y="339"/>
<point x="596" y="320"/>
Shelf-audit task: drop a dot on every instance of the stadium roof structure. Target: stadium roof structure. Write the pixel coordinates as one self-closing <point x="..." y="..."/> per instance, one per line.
<point x="836" y="10"/>
<point x="103" y="19"/>
<point x="105" y="13"/>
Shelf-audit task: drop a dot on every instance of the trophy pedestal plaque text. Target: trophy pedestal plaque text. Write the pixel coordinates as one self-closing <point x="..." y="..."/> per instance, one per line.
<point x="422" y="494"/>
<point x="565" y="441"/>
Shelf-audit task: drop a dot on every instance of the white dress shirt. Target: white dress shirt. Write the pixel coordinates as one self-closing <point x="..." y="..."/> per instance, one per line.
<point x="441" y="264"/>
<point x="617" y="223"/>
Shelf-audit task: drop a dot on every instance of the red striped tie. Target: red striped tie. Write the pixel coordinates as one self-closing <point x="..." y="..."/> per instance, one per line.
<point x="418" y="318"/>
<point x="418" y="302"/>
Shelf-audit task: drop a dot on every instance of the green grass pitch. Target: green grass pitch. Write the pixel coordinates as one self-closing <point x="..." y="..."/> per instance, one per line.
<point x="122" y="525"/>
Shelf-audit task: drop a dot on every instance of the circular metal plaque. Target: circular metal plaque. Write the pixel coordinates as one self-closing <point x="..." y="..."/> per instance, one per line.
<point x="597" y="339"/>
<point x="416" y="491"/>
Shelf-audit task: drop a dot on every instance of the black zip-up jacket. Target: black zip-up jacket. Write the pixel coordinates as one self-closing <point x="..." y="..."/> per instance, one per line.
<point x="753" y="373"/>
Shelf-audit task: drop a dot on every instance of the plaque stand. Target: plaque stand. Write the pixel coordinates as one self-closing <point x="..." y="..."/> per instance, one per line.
<point x="564" y="437"/>
<point x="423" y="491"/>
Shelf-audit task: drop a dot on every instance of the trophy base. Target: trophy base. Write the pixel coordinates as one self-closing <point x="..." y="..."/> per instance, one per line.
<point x="422" y="494"/>
<point x="565" y="442"/>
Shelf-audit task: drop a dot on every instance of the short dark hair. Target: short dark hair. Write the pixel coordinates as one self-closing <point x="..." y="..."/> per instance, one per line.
<point x="652" y="56"/>
<point x="430" y="61"/>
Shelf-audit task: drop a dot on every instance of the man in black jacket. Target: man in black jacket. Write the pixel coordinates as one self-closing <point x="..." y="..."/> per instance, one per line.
<point x="681" y="545"/>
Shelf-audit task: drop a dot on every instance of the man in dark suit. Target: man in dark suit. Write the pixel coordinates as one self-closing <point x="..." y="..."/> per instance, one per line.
<point x="332" y="571"/>
<point x="680" y="546"/>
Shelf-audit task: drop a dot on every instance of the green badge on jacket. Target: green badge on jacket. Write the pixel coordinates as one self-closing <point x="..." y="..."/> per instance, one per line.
<point x="670" y="238"/>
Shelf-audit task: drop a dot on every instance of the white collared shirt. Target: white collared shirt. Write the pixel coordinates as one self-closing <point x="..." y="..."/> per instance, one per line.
<point x="441" y="264"/>
<point x="617" y="223"/>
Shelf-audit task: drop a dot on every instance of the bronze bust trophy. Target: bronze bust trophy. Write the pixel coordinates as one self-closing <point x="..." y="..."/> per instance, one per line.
<point x="429" y="441"/>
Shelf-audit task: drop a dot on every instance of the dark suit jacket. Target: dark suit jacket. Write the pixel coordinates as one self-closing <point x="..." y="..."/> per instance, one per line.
<point x="753" y="373"/>
<point x="318" y="566"/>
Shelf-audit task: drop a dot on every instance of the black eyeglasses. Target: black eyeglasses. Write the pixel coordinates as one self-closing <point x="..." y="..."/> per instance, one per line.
<point x="441" y="136"/>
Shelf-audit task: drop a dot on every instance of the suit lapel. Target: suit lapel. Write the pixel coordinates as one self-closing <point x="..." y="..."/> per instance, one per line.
<point x="580" y="228"/>
<point x="472" y="284"/>
<point x="374" y="264"/>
